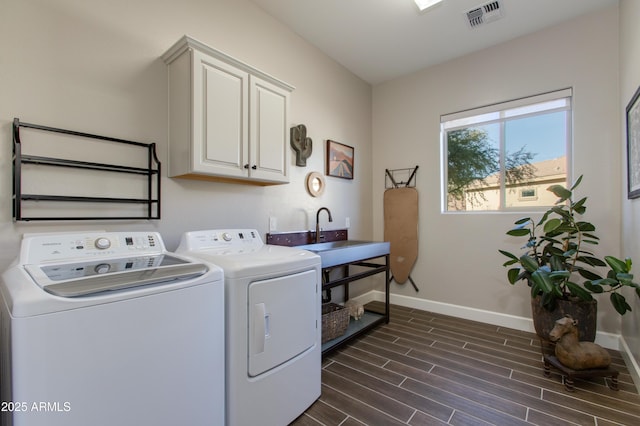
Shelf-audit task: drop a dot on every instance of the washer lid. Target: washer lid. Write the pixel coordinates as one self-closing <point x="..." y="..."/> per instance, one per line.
<point x="100" y="275"/>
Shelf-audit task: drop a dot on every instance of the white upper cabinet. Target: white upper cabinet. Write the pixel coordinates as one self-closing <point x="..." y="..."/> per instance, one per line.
<point x="227" y="120"/>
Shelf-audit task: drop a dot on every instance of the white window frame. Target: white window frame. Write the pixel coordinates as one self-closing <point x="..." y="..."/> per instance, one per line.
<point x="500" y="113"/>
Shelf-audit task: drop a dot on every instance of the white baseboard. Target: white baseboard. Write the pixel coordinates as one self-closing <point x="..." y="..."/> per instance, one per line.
<point x="632" y="365"/>
<point x="607" y="340"/>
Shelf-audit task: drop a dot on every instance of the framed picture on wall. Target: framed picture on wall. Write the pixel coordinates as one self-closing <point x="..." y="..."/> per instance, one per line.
<point x="633" y="146"/>
<point x="339" y="160"/>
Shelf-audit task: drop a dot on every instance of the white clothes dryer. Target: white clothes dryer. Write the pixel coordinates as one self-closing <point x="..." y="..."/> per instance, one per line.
<point x="108" y="329"/>
<point x="273" y="343"/>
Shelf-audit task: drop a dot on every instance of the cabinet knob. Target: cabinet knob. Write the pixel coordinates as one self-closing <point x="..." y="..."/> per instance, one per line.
<point x="246" y="166"/>
<point x="254" y="167"/>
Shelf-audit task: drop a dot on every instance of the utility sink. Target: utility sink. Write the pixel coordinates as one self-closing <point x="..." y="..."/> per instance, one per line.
<point x="335" y="253"/>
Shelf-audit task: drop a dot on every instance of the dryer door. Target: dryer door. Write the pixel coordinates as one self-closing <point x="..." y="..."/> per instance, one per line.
<point x="283" y="319"/>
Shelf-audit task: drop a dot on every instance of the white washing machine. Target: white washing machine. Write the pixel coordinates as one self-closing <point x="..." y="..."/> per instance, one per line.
<point x="273" y="297"/>
<point x="109" y="329"/>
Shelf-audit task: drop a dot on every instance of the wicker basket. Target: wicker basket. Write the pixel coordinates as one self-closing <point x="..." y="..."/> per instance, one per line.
<point x="335" y="319"/>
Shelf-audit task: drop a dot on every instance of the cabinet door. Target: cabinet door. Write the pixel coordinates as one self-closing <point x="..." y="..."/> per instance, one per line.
<point x="220" y="117"/>
<point x="269" y="150"/>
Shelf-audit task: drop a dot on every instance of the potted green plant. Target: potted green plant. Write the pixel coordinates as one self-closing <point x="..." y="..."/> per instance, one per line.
<point x="562" y="273"/>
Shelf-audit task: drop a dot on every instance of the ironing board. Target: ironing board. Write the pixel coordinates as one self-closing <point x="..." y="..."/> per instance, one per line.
<point x="401" y="230"/>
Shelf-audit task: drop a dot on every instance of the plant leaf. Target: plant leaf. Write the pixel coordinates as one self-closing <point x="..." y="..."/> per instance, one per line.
<point x="560" y="191"/>
<point x="560" y="211"/>
<point x="510" y="262"/>
<point x="559" y="274"/>
<point x="589" y="275"/>
<point x="586" y="226"/>
<point x="605" y="281"/>
<point x="544" y="217"/>
<point x="541" y="278"/>
<point x="522" y="221"/>
<point x="593" y="288"/>
<point x="509" y="255"/>
<point x="552" y="225"/>
<point x="535" y="289"/>
<point x="616" y="264"/>
<point x="518" y="232"/>
<point x="592" y="261"/>
<point x="579" y="206"/>
<point x="577" y="182"/>
<point x="578" y="291"/>
<point x="624" y="278"/>
<point x="513" y="275"/>
<point x="529" y="263"/>
<point x="619" y="303"/>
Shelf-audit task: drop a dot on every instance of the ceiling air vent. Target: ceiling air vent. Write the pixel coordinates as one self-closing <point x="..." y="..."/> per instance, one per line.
<point x="484" y="13"/>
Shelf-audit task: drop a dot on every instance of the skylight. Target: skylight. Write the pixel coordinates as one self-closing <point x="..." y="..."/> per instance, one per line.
<point x="425" y="4"/>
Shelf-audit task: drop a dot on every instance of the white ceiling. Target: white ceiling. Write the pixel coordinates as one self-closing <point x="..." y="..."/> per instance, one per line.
<point x="379" y="40"/>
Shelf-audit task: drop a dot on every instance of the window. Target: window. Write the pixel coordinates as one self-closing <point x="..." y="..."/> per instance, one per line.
<point x="504" y="156"/>
<point x="528" y="194"/>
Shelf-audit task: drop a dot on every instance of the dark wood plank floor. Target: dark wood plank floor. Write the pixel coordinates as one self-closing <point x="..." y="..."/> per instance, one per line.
<point x="430" y="369"/>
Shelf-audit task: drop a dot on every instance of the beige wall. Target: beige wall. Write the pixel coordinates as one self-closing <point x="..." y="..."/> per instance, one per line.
<point x="629" y="83"/>
<point x="458" y="261"/>
<point x="95" y="66"/>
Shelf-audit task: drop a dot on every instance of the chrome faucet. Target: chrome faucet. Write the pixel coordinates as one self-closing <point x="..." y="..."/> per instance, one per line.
<point x="318" y="222"/>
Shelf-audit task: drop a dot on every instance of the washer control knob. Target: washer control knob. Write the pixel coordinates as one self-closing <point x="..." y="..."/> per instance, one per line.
<point x="226" y="236"/>
<point x="102" y="243"/>
<point x="102" y="268"/>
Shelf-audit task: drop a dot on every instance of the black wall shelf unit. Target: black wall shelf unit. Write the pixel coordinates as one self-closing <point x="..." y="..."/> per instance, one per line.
<point x="149" y="202"/>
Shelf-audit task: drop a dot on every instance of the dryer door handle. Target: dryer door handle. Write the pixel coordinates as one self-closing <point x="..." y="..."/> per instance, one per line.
<point x="261" y="327"/>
